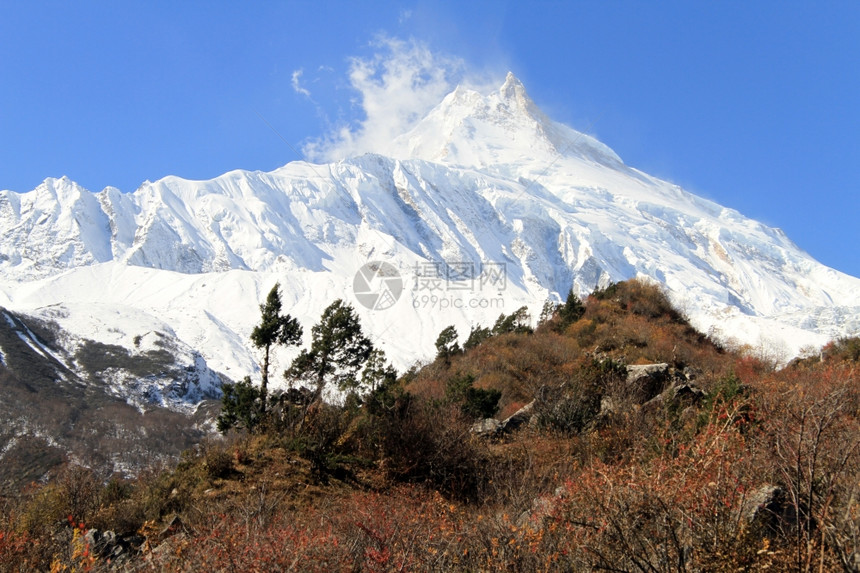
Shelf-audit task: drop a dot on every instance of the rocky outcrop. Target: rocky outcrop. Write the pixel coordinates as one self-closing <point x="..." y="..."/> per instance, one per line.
<point x="108" y="545"/>
<point x="645" y="381"/>
<point x="651" y="386"/>
<point x="491" y="427"/>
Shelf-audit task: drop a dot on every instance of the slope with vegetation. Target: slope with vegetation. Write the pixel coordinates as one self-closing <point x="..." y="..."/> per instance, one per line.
<point x="639" y="445"/>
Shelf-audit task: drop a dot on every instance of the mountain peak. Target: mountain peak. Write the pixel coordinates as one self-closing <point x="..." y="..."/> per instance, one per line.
<point x="513" y="93"/>
<point x="501" y="128"/>
<point x="512" y="87"/>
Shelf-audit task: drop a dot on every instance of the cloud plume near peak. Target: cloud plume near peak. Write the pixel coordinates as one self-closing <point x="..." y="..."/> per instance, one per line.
<point x="396" y="87"/>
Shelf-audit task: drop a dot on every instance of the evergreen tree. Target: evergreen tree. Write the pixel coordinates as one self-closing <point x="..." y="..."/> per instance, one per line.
<point x="384" y="390"/>
<point x="446" y="343"/>
<point x="548" y="311"/>
<point x="338" y="351"/>
<point x="518" y="322"/>
<point x="274" y="328"/>
<point x="477" y="335"/>
<point x="240" y="406"/>
<point x="571" y="311"/>
<point x="377" y="371"/>
<point x="476" y="403"/>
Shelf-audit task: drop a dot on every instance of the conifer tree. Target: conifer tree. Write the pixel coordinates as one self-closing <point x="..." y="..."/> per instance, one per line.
<point x="477" y="335"/>
<point x="240" y="406"/>
<point x="446" y="343"/>
<point x="518" y="322"/>
<point x="571" y="311"/>
<point x="338" y="351"/>
<point x="274" y="328"/>
<point x="377" y="371"/>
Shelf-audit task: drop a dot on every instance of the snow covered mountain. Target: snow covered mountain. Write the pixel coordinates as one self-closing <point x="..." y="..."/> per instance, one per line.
<point x="58" y="406"/>
<point x="484" y="206"/>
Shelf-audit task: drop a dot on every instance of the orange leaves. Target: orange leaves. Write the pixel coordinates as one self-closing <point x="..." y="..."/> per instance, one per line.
<point x="14" y="549"/>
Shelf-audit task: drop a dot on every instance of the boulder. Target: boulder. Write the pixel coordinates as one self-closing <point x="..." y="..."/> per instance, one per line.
<point x="687" y="394"/>
<point x="172" y="528"/>
<point x="770" y="509"/>
<point x="491" y="427"/>
<point x="519" y="418"/>
<point x="645" y="381"/>
<point x="109" y="545"/>
<point x="682" y="396"/>
<point x="487" y="427"/>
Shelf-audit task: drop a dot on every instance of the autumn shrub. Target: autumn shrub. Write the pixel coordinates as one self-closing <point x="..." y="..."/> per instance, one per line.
<point x="640" y="297"/>
<point x="842" y="349"/>
<point x="321" y="438"/>
<point x="431" y="443"/>
<point x="160" y="492"/>
<point x="516" y="365"/>
<point x="218" y="462"/>
<point x="572" y="406"/>
<point x="75" y="491"/>
<point x="18" y="551"/>
<point x="74" y="553"/>
<point x="811" y="437"/>
<point x="406" y="529"/>
<point x="228" y="544"/>
<point x="679" y="511"/>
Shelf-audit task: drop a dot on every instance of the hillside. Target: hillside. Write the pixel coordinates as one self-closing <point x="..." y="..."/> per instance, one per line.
<point x="628" y="441"/>
<point x="59" y="403"/>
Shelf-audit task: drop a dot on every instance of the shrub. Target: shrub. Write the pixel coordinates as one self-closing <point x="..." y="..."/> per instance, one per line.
<point x="217" y="462"/>
<point x="431" y="443"/>
<point x="845" y="349"/>
<point x="475" y="403"/>
<point x="74" y="491"/>
<point x="571" y="407"/>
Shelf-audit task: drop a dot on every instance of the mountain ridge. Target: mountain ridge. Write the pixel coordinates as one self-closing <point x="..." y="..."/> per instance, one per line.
<point x="481" y="181"/>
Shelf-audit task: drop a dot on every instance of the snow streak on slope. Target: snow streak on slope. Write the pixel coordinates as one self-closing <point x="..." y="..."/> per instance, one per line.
<point x="485" y="181"/>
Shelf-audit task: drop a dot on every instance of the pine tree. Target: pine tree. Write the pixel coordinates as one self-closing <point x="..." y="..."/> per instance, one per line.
<point x="446" y="343"/>
<point x="274" y="328"/>
<point x="240" y="406"/>
<point x="518" y="322"/>
<point x="571" y="311"/>
<point x="377" y="371"/>
<point x="477" y="335"/>
<point x="338" y="351"/>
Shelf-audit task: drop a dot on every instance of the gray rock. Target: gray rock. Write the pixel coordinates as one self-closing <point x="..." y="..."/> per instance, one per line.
<point x="519" y="418"/>
<point x="681" y="396"/>
<point x="770" y="509"/>
<point x="175" y="526"/>
<point x="491" y="427"/>
<point x="109" y="545"/>
<point x="687" y="393"/>
<point x="487" y="427"/>
<point x="645" y="381"/>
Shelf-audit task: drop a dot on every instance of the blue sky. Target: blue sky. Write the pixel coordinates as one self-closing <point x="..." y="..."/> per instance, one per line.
<point x="755" y="105"/>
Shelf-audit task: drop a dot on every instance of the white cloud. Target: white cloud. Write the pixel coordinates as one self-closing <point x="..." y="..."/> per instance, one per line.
<point x="297" y="74"/>
<point x="396" y="88"/>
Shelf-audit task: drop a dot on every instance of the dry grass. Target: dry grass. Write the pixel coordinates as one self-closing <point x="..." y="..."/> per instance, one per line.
<point x="408" y="488"/>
